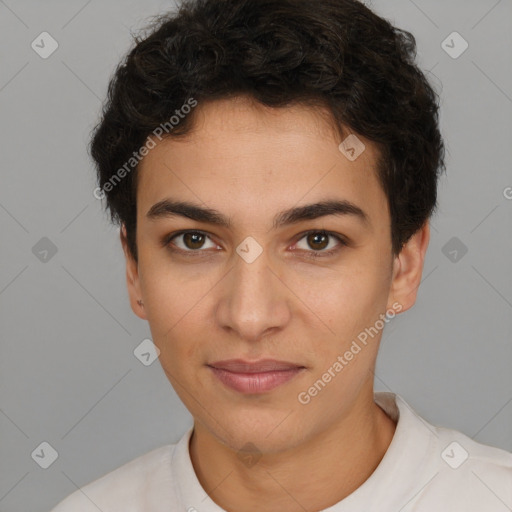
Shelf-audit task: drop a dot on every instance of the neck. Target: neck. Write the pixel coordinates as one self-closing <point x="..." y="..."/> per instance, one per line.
<point x="312" y="476"/>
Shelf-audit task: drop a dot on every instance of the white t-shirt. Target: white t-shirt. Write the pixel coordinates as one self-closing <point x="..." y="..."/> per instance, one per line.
<point x="425" y="469"/>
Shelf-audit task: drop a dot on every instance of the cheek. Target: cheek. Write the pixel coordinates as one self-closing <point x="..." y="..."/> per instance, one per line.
<point x="172" y="317"/>
<point x="172" y="296"/>
<point x="351" y="305"/>
<point x="358" y="294"/>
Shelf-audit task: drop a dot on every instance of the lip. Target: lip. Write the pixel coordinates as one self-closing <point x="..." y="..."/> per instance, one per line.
<point x="262" y="365"/>
<point x="254" y="377"/>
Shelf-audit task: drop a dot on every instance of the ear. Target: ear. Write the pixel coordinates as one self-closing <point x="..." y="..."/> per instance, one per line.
<point x="407" y="269"/>
<point x="132" y="277"/>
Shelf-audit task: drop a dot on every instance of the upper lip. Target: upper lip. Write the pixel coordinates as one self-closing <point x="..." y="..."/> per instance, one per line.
<point x="262" y="365"/>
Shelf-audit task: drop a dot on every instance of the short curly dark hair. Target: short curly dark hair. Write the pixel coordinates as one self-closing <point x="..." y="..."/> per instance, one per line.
<point x="335" y="54"/>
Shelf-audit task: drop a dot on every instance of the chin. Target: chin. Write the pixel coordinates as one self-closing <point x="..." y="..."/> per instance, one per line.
<point x="266" y="431"/>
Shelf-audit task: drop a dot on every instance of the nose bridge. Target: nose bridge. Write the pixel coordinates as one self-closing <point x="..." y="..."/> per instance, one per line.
<point x="253" y="277"/>
<point x="254" y="300"/>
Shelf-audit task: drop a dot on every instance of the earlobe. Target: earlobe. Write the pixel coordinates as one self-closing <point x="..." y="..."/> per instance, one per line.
<point x="408" y="268"/>
<point x="132" y="278"/>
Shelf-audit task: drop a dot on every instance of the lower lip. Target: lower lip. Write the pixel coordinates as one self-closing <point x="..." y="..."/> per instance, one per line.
<point x="255" y="382"/>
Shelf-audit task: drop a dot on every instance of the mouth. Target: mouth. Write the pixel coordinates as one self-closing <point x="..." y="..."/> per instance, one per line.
<point x="255" y="377"/>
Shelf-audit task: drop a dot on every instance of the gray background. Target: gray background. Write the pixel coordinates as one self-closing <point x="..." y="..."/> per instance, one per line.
<point x="68" y="375"/>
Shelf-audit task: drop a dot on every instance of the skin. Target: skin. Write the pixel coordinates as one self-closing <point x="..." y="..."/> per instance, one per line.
<point x="250" y="162"/>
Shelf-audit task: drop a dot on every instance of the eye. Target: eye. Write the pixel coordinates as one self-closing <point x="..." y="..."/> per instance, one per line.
<point x="320" y="240"/>
<point x="193" y="243"/>
<point x="188" y="241"/>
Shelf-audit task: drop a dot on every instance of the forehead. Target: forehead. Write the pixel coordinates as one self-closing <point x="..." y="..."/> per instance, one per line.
<point x="245" y="158"/>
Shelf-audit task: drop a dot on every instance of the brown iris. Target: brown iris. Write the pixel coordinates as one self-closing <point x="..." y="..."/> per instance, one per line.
<point x="193" y="240"/>
<point x="315" y="238"/>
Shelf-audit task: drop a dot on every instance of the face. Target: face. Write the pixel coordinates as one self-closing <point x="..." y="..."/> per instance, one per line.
<point x="295" y="287"/>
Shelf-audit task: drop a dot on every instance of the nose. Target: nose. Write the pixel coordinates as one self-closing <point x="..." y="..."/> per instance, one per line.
<point x="254" y="300"/>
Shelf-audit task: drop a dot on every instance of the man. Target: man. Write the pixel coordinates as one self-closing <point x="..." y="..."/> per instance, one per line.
<point x="273" y="165"/>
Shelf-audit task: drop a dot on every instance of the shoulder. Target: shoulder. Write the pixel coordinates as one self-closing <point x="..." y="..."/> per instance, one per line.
<point x="471" y="476"/>
<point x="461" y="474"/>
<point x="127" y="488"/>
<point x="460" y="452"/>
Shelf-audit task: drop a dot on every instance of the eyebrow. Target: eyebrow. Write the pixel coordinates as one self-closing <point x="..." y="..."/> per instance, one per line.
<point x="168" y="208"/>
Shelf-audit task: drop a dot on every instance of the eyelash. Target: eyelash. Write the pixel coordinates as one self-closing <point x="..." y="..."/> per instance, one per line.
<point x="166" y="242"/>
